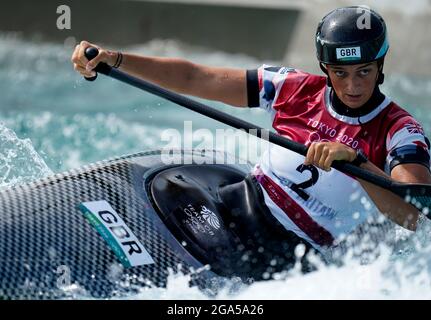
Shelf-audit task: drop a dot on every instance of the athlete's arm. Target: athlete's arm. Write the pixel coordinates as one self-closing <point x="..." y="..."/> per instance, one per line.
<point x="411" y="173"/>
<point x="222" y="84"/>
<point x="322" y="154"/>
<point x="393" y="206"/>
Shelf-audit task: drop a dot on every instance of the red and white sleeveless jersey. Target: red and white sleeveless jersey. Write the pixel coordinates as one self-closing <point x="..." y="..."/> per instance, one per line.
<point x="317" y="205"/>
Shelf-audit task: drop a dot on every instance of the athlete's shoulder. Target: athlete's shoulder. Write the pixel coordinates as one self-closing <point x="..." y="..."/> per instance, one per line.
<point x="269" y="72"/>
<point x="397" y="118"/>
<point x="396" y="109"/>
<point x="287" y="81"/>
<point x="405" y="140"/>
<point x="269" y="85"/>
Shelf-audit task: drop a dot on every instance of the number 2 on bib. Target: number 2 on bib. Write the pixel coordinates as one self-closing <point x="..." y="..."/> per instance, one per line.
<point x="299" y="188"/>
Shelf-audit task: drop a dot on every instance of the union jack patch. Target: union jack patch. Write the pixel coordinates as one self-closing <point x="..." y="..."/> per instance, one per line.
<point x="414" y="128"/>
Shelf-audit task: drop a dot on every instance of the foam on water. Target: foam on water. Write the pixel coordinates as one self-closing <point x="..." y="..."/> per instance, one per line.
<point x="402" y="271"/>
<point x="19" y="161"/>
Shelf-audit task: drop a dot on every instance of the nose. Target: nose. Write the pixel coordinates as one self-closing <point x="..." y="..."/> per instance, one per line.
<point x="353" y="84"/>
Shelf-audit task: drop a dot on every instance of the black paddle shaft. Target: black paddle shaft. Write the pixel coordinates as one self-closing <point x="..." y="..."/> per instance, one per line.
<point x="417" y="194"/>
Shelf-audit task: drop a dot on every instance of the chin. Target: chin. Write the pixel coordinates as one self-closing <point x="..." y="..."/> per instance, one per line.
<point x="354" y="105"/>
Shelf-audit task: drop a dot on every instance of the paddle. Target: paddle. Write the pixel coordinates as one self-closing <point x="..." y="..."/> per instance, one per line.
<point x="416" y="194"/>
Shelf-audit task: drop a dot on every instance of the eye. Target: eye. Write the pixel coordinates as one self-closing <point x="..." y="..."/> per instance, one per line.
<point x="340" y="73"/>
<point x="364" y="72"/>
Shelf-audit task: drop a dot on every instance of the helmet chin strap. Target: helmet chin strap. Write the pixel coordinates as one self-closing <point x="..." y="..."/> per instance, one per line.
<point x="381" y="77"/>
<point x="325" y="71"/>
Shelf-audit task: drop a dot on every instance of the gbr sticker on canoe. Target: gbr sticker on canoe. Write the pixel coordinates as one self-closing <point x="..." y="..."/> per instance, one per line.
<point x="126" y="246"/>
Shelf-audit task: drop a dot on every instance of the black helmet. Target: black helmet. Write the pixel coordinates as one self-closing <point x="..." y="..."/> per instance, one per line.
<point x="351" y="35"/>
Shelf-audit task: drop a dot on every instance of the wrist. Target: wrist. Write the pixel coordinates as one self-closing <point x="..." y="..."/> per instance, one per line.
<point x="352" y="155"/>
<point x="360" y="158"/>
<point x="119" y="60"/>
<point x="114" y="59"/>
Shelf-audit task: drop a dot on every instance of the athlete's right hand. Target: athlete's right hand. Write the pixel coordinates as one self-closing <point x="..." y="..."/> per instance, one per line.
<point x="322" y="154"/>
<point x="85" y="67"/>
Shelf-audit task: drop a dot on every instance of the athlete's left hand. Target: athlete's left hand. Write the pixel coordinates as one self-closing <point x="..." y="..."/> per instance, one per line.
<point x="321" y="154"/>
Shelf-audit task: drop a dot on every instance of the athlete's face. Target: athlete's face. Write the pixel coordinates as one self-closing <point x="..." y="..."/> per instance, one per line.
<point x="354" y="84"/>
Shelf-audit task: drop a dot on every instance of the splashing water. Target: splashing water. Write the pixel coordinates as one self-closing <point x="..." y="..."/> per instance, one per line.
<point x="19" y="161"/>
